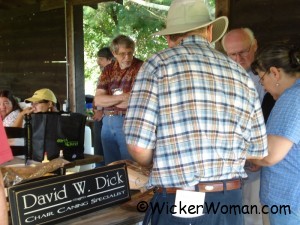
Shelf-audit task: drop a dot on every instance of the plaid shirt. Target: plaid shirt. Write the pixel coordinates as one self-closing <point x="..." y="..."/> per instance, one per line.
<point x="198" y="111"/>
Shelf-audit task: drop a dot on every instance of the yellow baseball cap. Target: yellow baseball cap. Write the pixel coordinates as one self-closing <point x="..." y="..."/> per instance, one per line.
<point x="42" y="94"/>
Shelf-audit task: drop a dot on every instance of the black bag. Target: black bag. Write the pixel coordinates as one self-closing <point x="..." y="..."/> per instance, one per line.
<point x="70" y="135"/>
<point x="52" y="132"/>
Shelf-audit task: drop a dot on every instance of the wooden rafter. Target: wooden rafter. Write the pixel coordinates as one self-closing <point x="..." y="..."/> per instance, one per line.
<point x="32" y="6"/>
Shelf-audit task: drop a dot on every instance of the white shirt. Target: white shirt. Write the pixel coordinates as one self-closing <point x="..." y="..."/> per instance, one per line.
<point x="260" y="89"/>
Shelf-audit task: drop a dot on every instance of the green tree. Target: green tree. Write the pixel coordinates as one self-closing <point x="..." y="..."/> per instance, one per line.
<point x="110" y="19"/>
<point x="138" y="19"/>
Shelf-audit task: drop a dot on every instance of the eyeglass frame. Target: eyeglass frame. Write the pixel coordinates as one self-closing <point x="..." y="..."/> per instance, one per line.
<point x="244" y="53"/>
<point x="261" y="79"/>
<point x="39" y="102"/>
<point x="124" y="54"/>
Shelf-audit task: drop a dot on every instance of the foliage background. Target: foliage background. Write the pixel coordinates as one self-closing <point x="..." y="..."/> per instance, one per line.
<point x="139" y="22"/>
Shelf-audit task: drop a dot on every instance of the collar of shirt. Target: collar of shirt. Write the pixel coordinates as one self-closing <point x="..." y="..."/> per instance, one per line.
<point x="194" y="39"/>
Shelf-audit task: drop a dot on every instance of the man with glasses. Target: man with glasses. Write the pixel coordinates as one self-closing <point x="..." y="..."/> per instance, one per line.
<point x="240" y="45"/>
<point x="112" y="94"/>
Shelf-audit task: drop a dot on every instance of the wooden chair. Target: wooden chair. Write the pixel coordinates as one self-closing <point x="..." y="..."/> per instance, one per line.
<point x="24" y="146"/>
<point x="20" y="139"/>
<point x="16" y="140"/>
<point x="21" y="142"/>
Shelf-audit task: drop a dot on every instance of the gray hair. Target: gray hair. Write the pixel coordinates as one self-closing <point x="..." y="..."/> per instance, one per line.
<point x="246" y="30"/>
<point x="123" y="40"/>
<point x="278" y="55"/>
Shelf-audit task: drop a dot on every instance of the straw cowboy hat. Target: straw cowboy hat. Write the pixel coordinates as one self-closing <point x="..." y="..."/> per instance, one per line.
<point x="188" y="15"/>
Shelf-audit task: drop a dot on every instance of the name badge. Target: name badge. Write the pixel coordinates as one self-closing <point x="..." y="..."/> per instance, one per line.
<point x="189" y="204"/>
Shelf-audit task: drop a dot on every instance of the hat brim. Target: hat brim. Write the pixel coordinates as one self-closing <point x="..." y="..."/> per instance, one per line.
<point x="220" y="26"/>
<point x="33" y="99"/>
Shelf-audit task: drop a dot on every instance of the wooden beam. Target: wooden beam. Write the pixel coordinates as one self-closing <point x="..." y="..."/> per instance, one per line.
<point x="17" y="3"/>
<point x="89" y="2"/>
<point x="69" y="23"/>
<point x="54" y="4"/>
<point x="222" y="8"/>
<point x="46" y="5"/>
<point x="10" y="11"/>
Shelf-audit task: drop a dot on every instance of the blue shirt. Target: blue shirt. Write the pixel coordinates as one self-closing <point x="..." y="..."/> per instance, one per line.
<point x="280" y="184"/>
<point x="198" y="111"/>
<point x="259" y="88"/>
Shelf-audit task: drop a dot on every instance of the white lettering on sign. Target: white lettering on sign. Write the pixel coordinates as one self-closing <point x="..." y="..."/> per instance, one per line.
<point x="80" y="187"/>
<point x="31" y="200"/>
<point x="103" y="182"/>
<point x="38" y="217"/>
<point x="105" y="197"/>
<point x="70" y="208"/>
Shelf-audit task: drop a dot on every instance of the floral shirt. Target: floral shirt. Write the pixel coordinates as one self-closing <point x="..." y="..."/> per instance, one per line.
<point x="9" y="120"/>
<point x="114" y="78"/>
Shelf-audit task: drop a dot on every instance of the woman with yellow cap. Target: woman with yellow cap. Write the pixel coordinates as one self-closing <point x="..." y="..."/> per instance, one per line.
<point x="43" y="100"/>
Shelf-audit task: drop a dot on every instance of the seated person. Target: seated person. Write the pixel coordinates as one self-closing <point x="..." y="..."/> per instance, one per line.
<point x="9" y="108"/>
<point x="43" y="100"/>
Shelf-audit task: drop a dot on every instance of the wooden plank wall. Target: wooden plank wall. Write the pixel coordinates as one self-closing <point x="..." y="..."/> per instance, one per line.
<point x="32" y="53"/>
<point x="271" y="20"/>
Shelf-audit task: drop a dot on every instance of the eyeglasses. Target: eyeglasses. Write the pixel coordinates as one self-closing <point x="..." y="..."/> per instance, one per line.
<point x="241" y="54"/>
<point x="261" y="80"/>
<point x="124" y="54"/>
<point x="40" y="102"/>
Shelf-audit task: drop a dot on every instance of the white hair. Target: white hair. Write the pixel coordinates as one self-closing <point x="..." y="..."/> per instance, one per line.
<point x="247" y="30"/>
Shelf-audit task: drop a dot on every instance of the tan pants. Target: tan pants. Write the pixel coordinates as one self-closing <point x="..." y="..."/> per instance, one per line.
<point x="265" y="217"/>
<point x="251" y="198"/>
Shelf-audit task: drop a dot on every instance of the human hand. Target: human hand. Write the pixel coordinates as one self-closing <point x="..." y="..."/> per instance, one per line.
<point x="125" y="97"/>
<point x="124" y="100"/>
<point x="98" y="114"/>
<point x="27" y="111"/>
<point x="250" y="166"/>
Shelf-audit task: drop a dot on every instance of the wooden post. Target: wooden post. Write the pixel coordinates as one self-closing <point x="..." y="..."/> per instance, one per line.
<point x="70" y="70"/>
<point x="222" y="9"/>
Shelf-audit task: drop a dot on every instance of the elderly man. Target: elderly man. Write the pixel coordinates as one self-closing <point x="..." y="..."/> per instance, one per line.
<point x="194" y="116"/>
<point x="241" y="45"/>
<point x="112" y="94"/>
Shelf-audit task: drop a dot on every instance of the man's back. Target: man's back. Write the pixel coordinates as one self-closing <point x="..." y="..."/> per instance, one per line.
<point x="204" y="125"/>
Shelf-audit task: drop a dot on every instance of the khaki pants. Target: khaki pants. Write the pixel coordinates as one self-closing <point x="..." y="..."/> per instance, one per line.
<point x="265" y="218"/>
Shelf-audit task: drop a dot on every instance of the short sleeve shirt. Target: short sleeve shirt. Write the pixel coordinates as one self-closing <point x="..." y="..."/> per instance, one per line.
<point x="10" y="118"/>
<point x="280" y="184"/>
<point x="198" y="111"/>
<point x="113" y="77"/>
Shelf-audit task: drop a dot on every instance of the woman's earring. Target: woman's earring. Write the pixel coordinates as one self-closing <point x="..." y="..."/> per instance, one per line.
<point x="277" y="84"/>
<point x="49" y="109"/>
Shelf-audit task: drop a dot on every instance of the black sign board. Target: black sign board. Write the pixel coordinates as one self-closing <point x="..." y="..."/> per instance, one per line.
<point x="62" y="197"/>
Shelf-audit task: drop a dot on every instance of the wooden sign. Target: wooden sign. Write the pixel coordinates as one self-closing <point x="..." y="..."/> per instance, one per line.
<point x="62" y="197"/>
